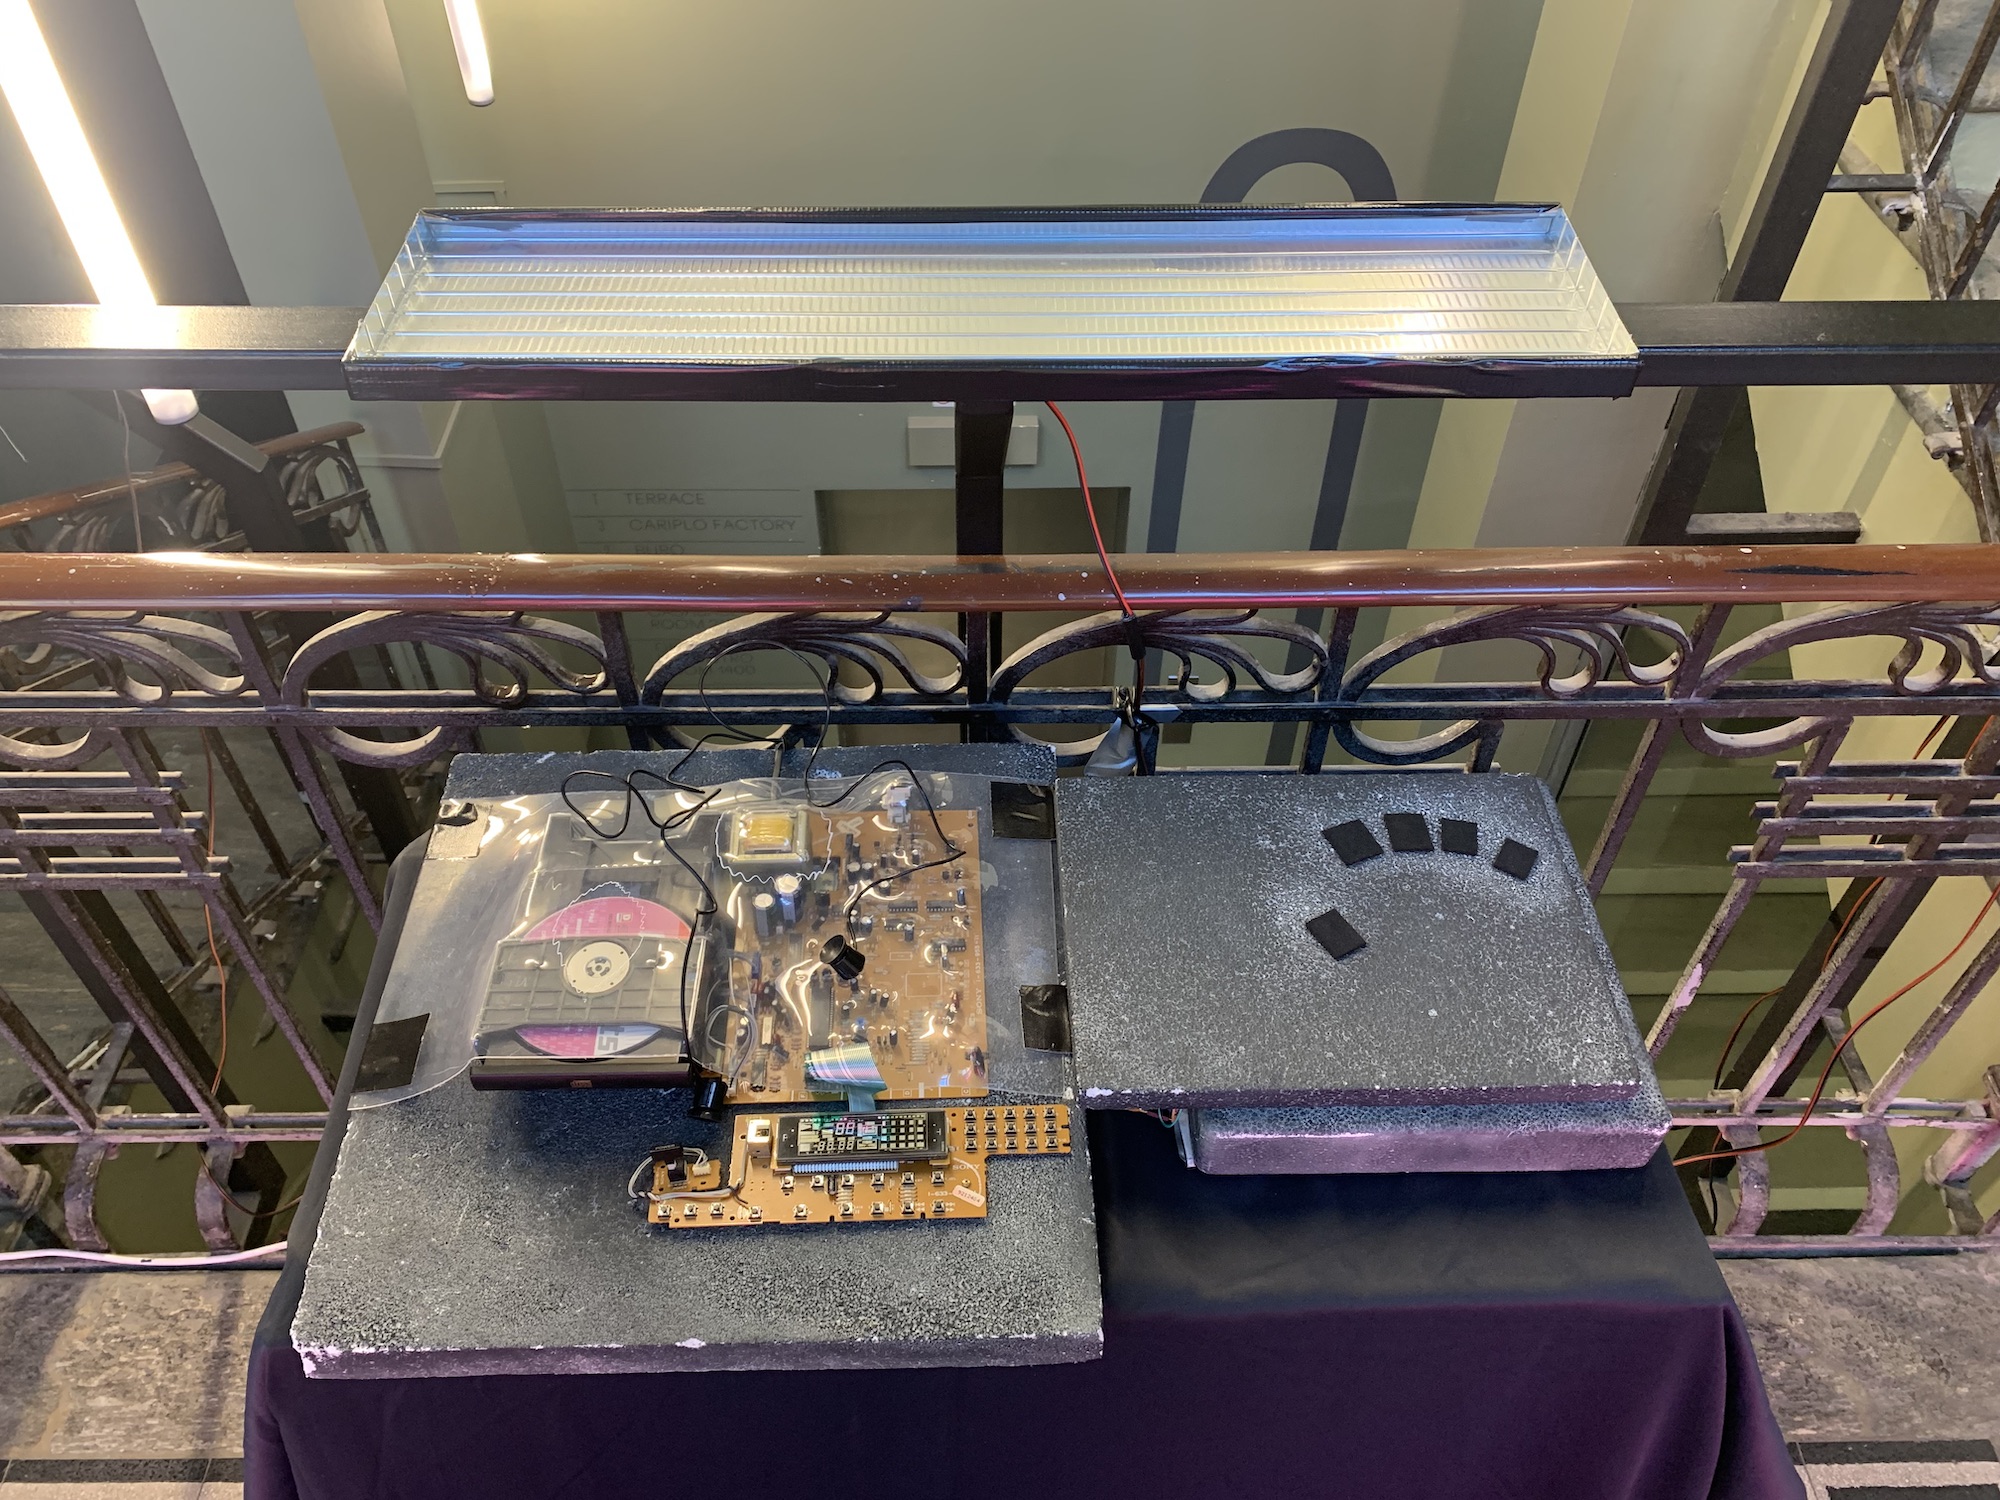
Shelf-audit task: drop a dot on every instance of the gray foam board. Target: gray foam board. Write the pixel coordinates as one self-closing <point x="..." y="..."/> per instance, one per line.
<point x="468" y="1233"/>
<point x="1553" y="1136"/>
<point x="1193" y="980"/>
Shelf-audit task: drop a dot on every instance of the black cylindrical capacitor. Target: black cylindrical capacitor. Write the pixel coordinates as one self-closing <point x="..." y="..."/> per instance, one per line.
<point x="842" y="957"/>
<point x="710" y="1095"/>
<point x="763" y="906"/>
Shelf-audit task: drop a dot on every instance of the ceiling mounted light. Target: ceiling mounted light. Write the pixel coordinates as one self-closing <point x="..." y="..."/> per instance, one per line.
<point x="468" y="40"/>
<point x="48" y="122"/>
<point x="1020" y="304"/>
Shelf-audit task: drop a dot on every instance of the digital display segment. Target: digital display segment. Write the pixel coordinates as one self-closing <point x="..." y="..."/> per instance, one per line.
<point x="891" y="1135"/>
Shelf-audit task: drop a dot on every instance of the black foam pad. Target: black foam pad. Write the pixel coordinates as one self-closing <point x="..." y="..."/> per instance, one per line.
<point x="1515" y="859"/>
<point x="1352" y="841"/>
<point x="1409" y="833"/>
<point x="1458" y="836"/>
<point x="1333" y="932"/>
<point x="1023" y="811"/>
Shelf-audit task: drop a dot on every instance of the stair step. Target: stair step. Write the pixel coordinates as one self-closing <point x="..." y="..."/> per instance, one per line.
<point x="1677" y="781"/>
<point x="1719" y="982"/>
<point x="1669" y="880"/>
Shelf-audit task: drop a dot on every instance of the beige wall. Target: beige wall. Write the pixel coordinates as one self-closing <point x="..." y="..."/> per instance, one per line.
<point x="1650" y="120"/>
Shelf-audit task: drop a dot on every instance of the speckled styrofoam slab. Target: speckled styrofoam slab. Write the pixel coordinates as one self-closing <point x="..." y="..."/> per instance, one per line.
<point x="1193" y="980"/>
<point x="1555" y="1136"/>
<point x="475" y="1233"/>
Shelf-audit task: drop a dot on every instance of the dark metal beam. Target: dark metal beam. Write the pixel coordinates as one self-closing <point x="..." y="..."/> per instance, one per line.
<point x="981" y="431"/>
<point x="1722" y="346"/>
<point x="1831" y="92"/>
<point x="91" y="348"/>
<point x="1694" y="344"/>
<point x="1761" y="528"/>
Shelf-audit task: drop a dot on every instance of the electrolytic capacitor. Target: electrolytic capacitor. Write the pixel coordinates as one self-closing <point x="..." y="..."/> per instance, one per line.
<point x="763" y="906"/>
<point x="786" y="888"/>
<point x="864" y="925"/>
<point x="842" y="957"/>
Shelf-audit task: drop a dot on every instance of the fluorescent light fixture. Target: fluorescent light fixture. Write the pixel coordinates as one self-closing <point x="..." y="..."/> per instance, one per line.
<point x="468" y="40"/>
<point x="55" y="139"/>
<point x="1022" y="303"/>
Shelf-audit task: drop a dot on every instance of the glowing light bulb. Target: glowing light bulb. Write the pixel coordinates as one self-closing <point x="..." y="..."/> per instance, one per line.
<point x="468" y="40"/>
<point x="48" y="122"/>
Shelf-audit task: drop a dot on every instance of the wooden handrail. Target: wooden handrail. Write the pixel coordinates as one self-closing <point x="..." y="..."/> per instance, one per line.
<point x="61" y="502"/>
<point x="315" y="581"/>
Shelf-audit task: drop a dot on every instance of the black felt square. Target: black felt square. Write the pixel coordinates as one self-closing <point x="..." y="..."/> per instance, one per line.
<point x="1045" y="1017"/>
<point x="1458" y="836"/>
<point x="1333" y="932"/>
<point x="1352" y="841"/>
<point x="389" y="1058"/>
<point x="1409" y="833"/>
<point x="1023" y="811"/>
<point x="1515" y="859"/>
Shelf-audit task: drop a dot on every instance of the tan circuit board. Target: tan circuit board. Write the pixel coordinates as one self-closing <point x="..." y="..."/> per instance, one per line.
<point x="756" y="1190"/>
<point x="919" y="1004"/>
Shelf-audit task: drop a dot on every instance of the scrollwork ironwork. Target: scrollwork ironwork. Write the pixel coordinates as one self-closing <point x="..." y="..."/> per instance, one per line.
<point x="872" y="643"/>
<point x="1952" y="628"/>
<point x="1594" y="638"/>
<point x="1224" y="640"/>
<point x="146" y="659"/>
<point x="521" y="646"/>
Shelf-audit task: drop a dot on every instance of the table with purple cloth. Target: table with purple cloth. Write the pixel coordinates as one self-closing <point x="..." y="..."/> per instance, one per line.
<point x="1560" y="1335"/>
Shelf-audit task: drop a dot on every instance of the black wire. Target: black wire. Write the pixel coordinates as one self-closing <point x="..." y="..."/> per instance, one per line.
<point x="679" y="820"/>
<point x="705" y="912"/>
<point x="952" y="851"/>
<point x="727" y="730"/>
<point x="825" y="686"/>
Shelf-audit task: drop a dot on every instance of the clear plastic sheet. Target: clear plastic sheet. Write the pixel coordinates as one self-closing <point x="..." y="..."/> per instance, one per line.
<point x="541" y="903"/>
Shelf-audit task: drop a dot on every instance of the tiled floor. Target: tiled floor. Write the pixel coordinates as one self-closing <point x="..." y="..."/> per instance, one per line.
<point x="121" y="1479"/>
<point x="1877" y="1347"/>
<point x="1884" y="1372"/>
<point x="124" y="1365"/>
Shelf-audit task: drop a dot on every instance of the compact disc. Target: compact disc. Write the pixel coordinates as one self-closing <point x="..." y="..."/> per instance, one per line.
<point x="586" y="1041"/>
<point x="608" y="916"/>
<point x="596" y="968"/>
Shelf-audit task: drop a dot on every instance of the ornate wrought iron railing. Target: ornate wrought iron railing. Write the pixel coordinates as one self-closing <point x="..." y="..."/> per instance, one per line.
<point x="197" y="640"/>
<point x="150" y="839"/>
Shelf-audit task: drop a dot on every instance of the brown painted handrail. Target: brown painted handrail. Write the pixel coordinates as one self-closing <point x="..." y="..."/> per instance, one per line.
<point x="499" y="581"/>
<point x="61" y="502"/>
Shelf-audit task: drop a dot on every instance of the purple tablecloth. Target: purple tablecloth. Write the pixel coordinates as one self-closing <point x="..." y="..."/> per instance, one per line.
<point x="1559" y="1335"/>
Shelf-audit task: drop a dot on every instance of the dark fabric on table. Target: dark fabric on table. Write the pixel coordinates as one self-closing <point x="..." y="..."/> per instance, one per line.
<point x="1560" y="1335"/>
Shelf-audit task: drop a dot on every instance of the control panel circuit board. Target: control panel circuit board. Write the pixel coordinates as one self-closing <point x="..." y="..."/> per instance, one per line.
<point x="889" y="1166"/>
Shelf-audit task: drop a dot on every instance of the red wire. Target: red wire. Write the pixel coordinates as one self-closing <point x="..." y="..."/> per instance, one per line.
<point x="1852" y="1032"/>
<point x="1090" y="508"/>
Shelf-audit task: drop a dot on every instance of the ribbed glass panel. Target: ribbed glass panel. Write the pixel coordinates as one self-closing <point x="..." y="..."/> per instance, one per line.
<point x="1508" y="284"/>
